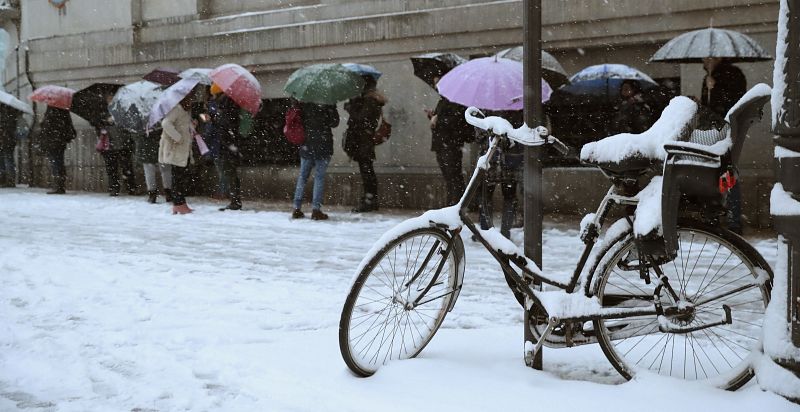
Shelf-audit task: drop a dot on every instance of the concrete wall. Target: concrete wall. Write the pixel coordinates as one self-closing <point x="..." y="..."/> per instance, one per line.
<point x="42" y="20"/>
<point x="277" y="36"/>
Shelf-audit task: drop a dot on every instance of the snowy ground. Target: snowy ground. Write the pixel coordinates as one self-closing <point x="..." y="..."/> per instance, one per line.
<point x="112" y="304"/>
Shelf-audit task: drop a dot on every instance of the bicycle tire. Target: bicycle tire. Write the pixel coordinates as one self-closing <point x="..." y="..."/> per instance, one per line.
<point x="377" y="312"/>
<point x="719" y="353"/>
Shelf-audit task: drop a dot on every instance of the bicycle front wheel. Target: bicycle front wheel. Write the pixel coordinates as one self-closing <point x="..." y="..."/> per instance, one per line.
<point x="713" y="267"/>
<point x="400" y="299"/>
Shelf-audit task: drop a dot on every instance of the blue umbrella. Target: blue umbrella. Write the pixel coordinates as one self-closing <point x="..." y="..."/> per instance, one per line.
<point x="169" y="99"/>
<point x="605" y="80"/>
<point x="363" y="70"/>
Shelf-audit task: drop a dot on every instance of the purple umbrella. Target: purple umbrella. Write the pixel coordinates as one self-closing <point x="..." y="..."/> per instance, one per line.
<point x="170" y="98"/>
<point x="490" y="83"/>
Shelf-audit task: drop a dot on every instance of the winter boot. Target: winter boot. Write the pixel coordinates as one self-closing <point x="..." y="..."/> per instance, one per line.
<point x="317" y="214"/>
<point x="369" y="203"/>
<point x="236" y="204"/>
<point x="59" y="186"/>
<point x="168" y="195"/>
<point x="152" y="195"/>
<point x="297" y="214"/>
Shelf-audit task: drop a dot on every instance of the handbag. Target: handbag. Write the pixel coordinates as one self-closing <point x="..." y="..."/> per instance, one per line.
<point x="201" y="144"/>
<point x="383" y="132"/>
<point x="103" y="142"/>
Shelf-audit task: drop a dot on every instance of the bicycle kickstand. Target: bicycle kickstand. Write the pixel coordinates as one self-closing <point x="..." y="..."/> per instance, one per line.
<point x="532" y="349"/>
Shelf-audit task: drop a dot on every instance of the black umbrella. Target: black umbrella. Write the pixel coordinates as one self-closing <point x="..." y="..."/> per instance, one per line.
<point x="163" y="75"/>
<point x="694" y="46"/>
<point x="430" y="65"/>
<point x="91" y="104"/>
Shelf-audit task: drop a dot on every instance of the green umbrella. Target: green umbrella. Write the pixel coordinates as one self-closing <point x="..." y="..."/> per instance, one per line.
<point x="324" y="84"/>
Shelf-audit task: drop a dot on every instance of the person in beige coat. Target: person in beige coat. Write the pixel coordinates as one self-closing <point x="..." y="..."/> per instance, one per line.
<point x="175" y="148"/>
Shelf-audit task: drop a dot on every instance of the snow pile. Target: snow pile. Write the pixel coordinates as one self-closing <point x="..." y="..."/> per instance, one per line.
<point x="781" y="203"/>
<point x="672" y="125"/>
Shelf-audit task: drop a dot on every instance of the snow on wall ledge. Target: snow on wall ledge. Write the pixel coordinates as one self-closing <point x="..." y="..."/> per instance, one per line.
<point x="776" y="339"/>
<point x="781" y="203"/>
<point x="673" y="123"/>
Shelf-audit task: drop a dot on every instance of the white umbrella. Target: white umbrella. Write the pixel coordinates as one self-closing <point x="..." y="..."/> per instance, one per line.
<point x="694" y="46"/>
<point x="10" y="100"/>
<point x="199" y="73"/>
<point x="169" y="99"/>
<point x="132" y="104"/>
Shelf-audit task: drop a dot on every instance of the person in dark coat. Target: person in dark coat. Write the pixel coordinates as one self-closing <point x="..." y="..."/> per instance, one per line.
<point x="8" y="141"/>
<point x="55" y="133"/>
<point x="450" y="131"/>
<point x="634" y="114"/>
<point x="315" y="153"/>
<point x="211" y="136"/>
<point x="365" y="113"/>
<point x="723" y="86"/>
<point x="226" y="122"/>
<point x="504" y="169"/>
<point x="119" y="156"/>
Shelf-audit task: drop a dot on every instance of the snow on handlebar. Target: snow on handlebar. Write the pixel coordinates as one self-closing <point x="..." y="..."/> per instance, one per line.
<point x="524" y="135"/>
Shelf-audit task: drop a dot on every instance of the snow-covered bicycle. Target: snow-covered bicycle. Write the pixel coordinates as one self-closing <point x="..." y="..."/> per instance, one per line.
<point x="661" y="291"/>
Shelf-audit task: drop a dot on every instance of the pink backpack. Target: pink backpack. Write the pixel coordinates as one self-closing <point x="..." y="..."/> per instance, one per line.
<point x="293" y="128"/>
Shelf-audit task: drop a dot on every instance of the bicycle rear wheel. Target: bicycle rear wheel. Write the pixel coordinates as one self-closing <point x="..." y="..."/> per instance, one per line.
<point x="400" y="299"/>
<point x="714" y="267"/>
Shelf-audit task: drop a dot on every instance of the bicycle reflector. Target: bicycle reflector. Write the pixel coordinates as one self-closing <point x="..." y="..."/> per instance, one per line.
<point x="726" y="182"/>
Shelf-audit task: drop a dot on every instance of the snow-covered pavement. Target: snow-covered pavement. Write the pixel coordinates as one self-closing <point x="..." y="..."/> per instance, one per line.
<point x="112" y="304"/>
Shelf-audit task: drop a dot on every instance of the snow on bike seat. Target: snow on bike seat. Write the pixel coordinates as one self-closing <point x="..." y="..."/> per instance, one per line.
<point x="631" y="151"/>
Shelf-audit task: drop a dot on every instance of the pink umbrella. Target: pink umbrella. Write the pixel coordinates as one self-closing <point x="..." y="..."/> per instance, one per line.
<point x="55" y="96"/>
<point x="490" y="83"/>
<point x="238" y="84"/>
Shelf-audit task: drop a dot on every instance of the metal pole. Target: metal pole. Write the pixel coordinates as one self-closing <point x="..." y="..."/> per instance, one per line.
<point x="786" y="286"/>
<point x="532" y="180"/>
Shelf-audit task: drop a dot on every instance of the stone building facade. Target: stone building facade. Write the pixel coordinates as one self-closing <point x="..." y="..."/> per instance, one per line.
<point x="87" y="41"/>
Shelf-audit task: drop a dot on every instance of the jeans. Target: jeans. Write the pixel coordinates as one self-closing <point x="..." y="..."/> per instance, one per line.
<point x="222" y="182"/>
<point x="321" y="165"/>
<point x="57" y="167"/>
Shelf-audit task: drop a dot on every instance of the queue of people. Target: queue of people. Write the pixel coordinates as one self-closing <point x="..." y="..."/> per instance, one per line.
<point x="167" y="148"/>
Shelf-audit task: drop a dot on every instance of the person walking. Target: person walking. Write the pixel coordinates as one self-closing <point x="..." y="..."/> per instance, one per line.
<point x="365" y="114"/>
<point x="147" y="154"/>
<point x="55" y="133"/>
<point x="723" y="86"/>
<point x="175" y="148"/>
<point x="8" y="141"/>
<point x="227" y="124"/>
<point x="449" y="132"/>
<point x="315" y="153"/>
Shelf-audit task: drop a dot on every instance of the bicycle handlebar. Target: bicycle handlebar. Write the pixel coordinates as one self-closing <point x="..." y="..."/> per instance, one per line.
<point x="524" y="135"/>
